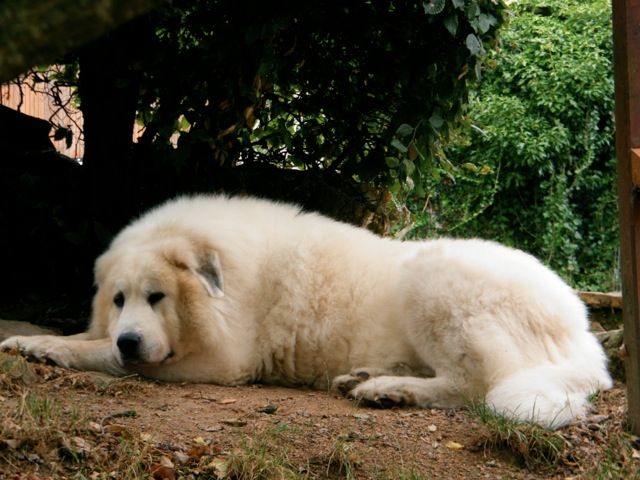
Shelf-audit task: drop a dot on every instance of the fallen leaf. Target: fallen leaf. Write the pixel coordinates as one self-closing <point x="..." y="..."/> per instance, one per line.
<point x="454" y="446"/>
<point x="160" y="472"/>
<point x="196" y="452"/>
<point x="9" y="442"/>
<point x="219" y="466"/>
<point x="228" y="401"/>
<point x="82" y="444"/>
<point x="166" y="462"/>
<point x="114" y="428"/>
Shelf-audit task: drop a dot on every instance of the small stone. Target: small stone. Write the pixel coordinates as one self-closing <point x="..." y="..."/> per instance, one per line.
<point x="181" y="458"/>
<point x="270" y="409"/>
<point x="234" y="422"/>
<point x="362" y="416"/>
<point x="211" y="428"/>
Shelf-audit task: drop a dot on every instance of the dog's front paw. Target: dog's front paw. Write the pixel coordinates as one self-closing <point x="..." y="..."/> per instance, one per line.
<point x="39" y="348"/>
<point x="345" y="383"/>
<point x="382" y="392"/>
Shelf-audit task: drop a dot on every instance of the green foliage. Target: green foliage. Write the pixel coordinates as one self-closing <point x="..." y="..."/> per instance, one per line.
<point x="536" y="155"/>
<point x="366" y="89"/>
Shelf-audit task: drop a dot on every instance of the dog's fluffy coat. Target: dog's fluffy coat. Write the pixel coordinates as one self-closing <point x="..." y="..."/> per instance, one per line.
<point x="254" y="291"/>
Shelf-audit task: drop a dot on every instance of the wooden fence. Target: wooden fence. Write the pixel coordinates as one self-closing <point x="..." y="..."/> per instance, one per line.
<point x="37" y="100"/>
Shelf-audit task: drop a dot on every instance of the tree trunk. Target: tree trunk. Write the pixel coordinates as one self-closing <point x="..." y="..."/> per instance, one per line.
<point x="108" y="89"/>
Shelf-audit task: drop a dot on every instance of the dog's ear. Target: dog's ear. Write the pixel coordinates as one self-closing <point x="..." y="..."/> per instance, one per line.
<point x="210" y="275"/>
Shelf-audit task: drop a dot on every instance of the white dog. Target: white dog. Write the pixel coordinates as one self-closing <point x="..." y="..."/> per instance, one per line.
<point x="236" y="290"/>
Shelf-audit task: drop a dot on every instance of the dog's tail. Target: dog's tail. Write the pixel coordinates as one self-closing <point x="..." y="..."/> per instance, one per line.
<point x="551" y="395"/>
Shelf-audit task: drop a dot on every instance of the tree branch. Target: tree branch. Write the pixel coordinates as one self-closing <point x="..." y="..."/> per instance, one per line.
<point x="40" y="31"/>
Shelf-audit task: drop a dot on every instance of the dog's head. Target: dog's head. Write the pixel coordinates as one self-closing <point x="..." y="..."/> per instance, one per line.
<point x="150" y="295"/>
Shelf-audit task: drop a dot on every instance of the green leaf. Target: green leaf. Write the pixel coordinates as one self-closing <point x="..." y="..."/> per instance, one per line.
<point x="485" y="22"/>
<point x="399" y="145"/>
<point x="473" y="44"/>
<point x="459" y="4"/>
<point x="478" y="70"/>
<point x="436" y="121"/>
<point x="404" y="130"/>
<point x="451" y="24"/>
<point x="473" y="10"/>
<point x="395" y="187"/>
<point x="392" y="162"/>
<point x="409" y="167"/>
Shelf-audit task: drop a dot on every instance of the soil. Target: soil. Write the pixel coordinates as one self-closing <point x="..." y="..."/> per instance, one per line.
<point x="397" y="443"/>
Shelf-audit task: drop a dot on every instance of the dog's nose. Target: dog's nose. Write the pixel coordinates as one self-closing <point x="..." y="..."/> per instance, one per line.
<point x="129" y="345"/>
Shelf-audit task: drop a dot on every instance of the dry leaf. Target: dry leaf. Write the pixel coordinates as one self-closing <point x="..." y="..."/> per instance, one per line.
<point x="82" y="444"/>
<point x="219" y="466"/>
<point x="228" y="401"/>
<point x="196" y="452"/>
<point x="95" y="427"/>
<point x="9" y="442"/>
<point x="160" y="472"/>
<point x="454" y="446"/>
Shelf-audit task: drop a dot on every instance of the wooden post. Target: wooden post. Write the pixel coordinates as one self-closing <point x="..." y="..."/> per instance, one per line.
<point x="626" y="40"/>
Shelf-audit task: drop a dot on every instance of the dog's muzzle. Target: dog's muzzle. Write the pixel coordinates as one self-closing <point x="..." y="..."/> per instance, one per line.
<point x="129" y="345"/>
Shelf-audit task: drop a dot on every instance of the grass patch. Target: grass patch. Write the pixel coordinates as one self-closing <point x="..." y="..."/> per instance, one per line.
<point x="411" y="475"/>
<point x="40" y="436"/>
<point x="536" y="447"/>
<point x="342" y="460"/>
<point x="262" y="457"/>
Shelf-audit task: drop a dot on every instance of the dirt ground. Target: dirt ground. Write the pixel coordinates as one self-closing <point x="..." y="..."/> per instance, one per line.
<point x="316" y="434"/>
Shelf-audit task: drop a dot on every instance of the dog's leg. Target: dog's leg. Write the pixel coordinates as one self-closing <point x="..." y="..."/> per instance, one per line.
<point x="74" y="351"/>
<point x="346" y="383"/>
<point x="389" y="391"/>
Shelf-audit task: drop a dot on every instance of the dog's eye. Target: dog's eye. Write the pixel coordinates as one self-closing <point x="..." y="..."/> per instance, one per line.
<point x="155" y="297"/>
<point x="118" y="300"/>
